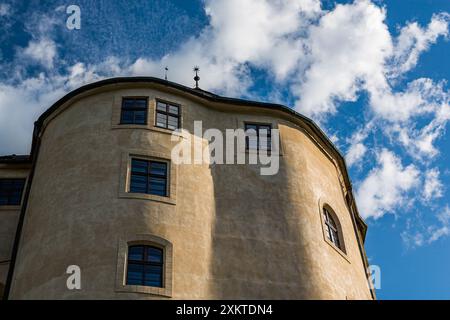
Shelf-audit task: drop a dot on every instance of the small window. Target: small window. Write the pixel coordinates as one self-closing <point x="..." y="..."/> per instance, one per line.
<point x="167" y="115"/>
<point x="258" y="136"/>
<point x="331" y="228"/>
<point x="145" y="266"/>
<point x="148" y="177"/>
<point x="11" y="191"/>
<point x="134" y="111"/>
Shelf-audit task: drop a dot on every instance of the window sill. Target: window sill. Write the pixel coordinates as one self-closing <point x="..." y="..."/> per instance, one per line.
<point x="342" y="253"/>
<point x="144" y="196"/>
<point x="146" y="127"/>
<point x="264" y="152"/>
<point x="10" y="208"/>
<point x="157" y="291"/>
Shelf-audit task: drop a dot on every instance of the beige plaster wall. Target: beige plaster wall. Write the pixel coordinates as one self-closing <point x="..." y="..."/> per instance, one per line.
<point x="234" y="233"/>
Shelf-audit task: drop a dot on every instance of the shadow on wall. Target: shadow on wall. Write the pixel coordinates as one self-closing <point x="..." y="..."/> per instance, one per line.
<point x="258" y="251"/>
<point x="2" y="290"/>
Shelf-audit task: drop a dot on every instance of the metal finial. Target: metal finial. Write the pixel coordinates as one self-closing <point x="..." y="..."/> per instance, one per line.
<point x="165" y="74"/>
<point x="196" y="78"/>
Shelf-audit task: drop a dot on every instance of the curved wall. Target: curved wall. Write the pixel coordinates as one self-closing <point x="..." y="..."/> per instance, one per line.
<point x="234" y="233"/>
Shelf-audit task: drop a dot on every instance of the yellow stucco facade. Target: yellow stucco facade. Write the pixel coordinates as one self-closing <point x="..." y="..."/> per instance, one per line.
<point x="227" y="231"/>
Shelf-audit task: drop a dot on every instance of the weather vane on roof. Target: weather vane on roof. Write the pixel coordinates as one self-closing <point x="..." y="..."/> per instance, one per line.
<point x="196" y="78"/>
<point x="165" y="74"/>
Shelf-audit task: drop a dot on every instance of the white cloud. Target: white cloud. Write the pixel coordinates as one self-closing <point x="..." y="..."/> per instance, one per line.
<point x="443" y="229"/>
<point x="357" y="149"/>
<point x="430" y="234"/>
<point x="261" y="33"/>
<point x="43" y="51"/>
<point x="413" y="239"/>
<point x="385" y="188"/>
<point x="355" y="153"/>
<point x="351" y="50"/>
<point x="19" y="108"/>
<point x="433" y="186"/>
<point x="21" y="104"/>
<point x="414" y="39"/>
<point x="419" y="140"/>
<point x="5" y="9"/>
<point x="347" y="48"/>
<point x="400" y="106"/>
<point x="264" y="33"/>
<point x="436" y="234"/>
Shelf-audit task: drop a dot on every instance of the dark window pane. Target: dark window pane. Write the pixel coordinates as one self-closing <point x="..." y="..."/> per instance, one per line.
<point x="328" y="232"/>
<point x="11" y="191"/>
<point x="14" y="199"/>
<point x="136" y="253"/>
<point x="134" y="282"/>
<point x="161" y="120"/>
<point x="140" y="103"/>
<point x="331" y="228"/>
<point x="140" y="117"/>
<point x="331" y="222"/>
<point x="134" y="111"/>
<point x="153" y="276"/>
<point x="161" y="106"/>
<point x="167" y="116"/>
<point x="148" y="177"/>
<point x="158" y="168"/>
<point x="258" y="136"/>
<point x="154" y="255"/>
<point x="138" y="179"/>
<point x="139" y="166"/>
<point x="172" y="123"/>
<point x="135" y="273"/>
<point x="173" y="110"/>
<point x="148" y="272"/>
<point x="138" y="184"/>
<point x="127" y="117"/>
<point x="335" y="238"/>
<point x="157" y="186"/>
<point x="127" y="103"/>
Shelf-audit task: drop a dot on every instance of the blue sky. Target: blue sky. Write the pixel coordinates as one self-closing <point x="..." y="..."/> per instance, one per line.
<point x="373" y="74"/>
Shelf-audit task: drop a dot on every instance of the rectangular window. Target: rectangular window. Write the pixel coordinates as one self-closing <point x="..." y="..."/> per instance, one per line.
<point x="145" y="266"/>
<point x="148" y="177"/>
<point x="134" y="111"/>
<point x="258" y="136"/>
<point x="167" y="115"/>
<point x="11" y="191"/>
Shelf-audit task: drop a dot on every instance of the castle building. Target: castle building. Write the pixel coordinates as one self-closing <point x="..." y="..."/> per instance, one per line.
<point x="100" y="198"/>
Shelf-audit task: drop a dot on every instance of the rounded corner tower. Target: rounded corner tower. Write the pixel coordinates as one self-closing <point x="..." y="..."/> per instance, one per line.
<point x="105" y="202"/>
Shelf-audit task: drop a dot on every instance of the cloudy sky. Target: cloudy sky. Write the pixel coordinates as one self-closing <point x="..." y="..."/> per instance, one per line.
<point x="373" y="74"/>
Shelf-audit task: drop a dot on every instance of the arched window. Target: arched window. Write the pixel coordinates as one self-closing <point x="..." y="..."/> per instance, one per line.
<point x="331" y="228"/>
<point x="145" y="266"/>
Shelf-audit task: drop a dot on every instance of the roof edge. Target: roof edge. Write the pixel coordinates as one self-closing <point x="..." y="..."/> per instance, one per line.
<point x="15" y="159"/>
